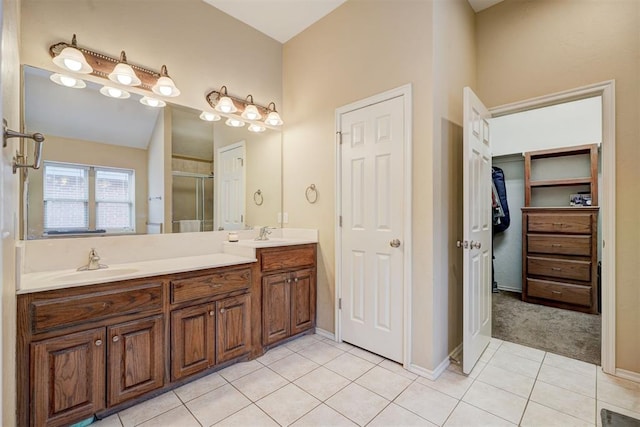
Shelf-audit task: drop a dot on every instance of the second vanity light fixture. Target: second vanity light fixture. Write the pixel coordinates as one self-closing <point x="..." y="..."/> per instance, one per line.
<point x="75" y="59"/>
<point x="240" y="111"/>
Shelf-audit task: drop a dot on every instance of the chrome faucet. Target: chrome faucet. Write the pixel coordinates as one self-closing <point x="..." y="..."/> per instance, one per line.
<point x="94" y="262"/>
<point x="264" y="233"/>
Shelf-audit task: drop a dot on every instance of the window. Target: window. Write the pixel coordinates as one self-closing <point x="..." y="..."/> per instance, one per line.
<point x="82" y="198"/>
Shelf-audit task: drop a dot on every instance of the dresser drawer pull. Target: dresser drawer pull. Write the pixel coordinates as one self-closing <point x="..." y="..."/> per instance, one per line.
<point x="556" y="292"/>
<point x="556" y="245"/>
<point x="116" y="338"/>
<point x="556" y="268"/>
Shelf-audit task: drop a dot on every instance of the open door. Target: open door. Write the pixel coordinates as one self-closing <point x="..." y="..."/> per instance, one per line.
<point x="476" y="242"/>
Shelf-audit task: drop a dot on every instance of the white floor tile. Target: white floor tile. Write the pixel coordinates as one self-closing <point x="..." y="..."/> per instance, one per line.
<point x="357" y="403"/>
<point x="384" y="382"/>
<point x="477" y="369"/>
<point x="274" y="355"/>
<point x="538" y="415"/>
<point x="151" y="408"/>
<point x="514" y="363"/>
<point x="465" y="415"/>
<point x="320" y="352"/>
<point x="568" y="402"/>
<point x="426" y="402"/>
<point x="568" y="380"/>
<point x="344" y="346"/>
<point x="259" y="383"/>
<point x="522" y="351"/>
<point x="397" y="368"/>
<point x="573" y="365"/>
<point x="293" y="367"/>
<point x="487" y="354"/>
<point x="394" y="415"/>
<point x="495" y="343"/>
<point x="322" y="383"/>
<point x="249" y="416"/>
<point x="199" y="387"/>
<point x="349" y="366"/>
<point x="241" y="369"/>
<point x="179" y="416"/>
<point x="496" y="401"/>
<point x="217" y="404"/>
<point x="112" y="421"/>
<point x="288" y="404"/>
<point x="455" y="385"/>
<point x="324" y="416"/>
<point x="370" y="357"/>
<point x="618" y="391"/>
<point x="600" y="405"/>
<point x="509" y="381"/>
<point x="302" y="342"/>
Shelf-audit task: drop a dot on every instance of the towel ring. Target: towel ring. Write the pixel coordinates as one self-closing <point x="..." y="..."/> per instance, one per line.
<point x="311" y="193"/>
<point x="257" y="198"/>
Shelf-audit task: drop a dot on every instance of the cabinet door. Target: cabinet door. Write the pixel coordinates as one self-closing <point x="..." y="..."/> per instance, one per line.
<point x="136" y="358"/>
<point x="192" y="340"/>
<point x="234" y="327"/>
<point x="276" y="306"/>
<point x="68" y="375"/>
<point x="303" y="300"/>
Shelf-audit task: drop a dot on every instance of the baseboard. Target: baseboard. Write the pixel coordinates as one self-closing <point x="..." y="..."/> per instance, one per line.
<point x="430" y="374"/>
<point x="325" y="334"/>
<point x="509" y="289"/>
<point x="628" y="375"/>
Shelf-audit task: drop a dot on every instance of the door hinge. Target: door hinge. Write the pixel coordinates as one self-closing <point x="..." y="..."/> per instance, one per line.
<point x="340" y="220"/>
<point x="339" y="137"/>
<point x="339" y="303"/>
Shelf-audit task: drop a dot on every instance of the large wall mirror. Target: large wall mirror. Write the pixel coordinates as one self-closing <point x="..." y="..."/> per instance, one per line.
<point x="116" y="166"/>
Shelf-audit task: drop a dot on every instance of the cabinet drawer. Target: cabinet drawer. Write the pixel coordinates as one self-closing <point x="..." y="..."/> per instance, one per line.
<point x="556" y="244"/>
<point x="563" y="292"/>
<point x="561" y="268"/>
<point x="304" y="256"/>
<point x="560" y="223"/>
<point x="93" y="306"/>
<point x="209" y="285"/>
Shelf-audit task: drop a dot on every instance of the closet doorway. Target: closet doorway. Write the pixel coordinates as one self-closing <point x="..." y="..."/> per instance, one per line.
<point x="556" y="123"/>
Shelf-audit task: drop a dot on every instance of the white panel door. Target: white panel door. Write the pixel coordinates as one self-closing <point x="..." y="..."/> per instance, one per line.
<point x="231" y="186"/>
<point x="477" y="231"/>
<point x="372" y="225"/>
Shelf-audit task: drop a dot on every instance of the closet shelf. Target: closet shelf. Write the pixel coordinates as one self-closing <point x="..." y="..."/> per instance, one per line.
<point x="560" y="182"/>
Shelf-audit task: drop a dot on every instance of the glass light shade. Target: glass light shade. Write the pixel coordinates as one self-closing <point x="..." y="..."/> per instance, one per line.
<point x="152" y="102"/>
<point x="73" y="60"/>
<point x="165" y="87"/>
<point x="67" y="81"/>
<point x="113" y="92"/>
<point x="209" y="116"/>
<point x="124" y="74"/>
<point x="234" y="123"/>
<point x="226" y="105"/>
<point x="256" y="128"/>
<point x="251" y="113"/>
<point x="273" y="119"/>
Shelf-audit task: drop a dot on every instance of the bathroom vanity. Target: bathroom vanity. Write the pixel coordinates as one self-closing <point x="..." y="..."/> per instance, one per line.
<point x="98" y="348"/>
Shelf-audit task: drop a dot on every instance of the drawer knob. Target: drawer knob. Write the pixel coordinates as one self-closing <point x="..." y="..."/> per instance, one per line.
<point x="295" y="280"/>
<point x="222" y="310"/>
<point x="98" y="343"/>
<point x="211" y="313"/>
<point x="116" y="338"/>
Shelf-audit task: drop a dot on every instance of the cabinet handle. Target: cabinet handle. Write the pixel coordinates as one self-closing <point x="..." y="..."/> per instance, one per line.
<point x="556" y="292"/>
<point x="211" y="313"/>
<point x="295" y="280"/>
<point x="556" y="268"/>
<point x="288" y="280"/>
<point x="116" y="338"/>
<point x="98" y="343"/>
<point x="556" y="245"/>
<point x="222" y="310"/>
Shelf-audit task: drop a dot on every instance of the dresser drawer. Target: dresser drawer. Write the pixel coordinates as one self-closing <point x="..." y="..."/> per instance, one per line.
<point x="93" y="306"/>
<point x="292" y="257"/>
<point x="561" y="268"/>
<point x="559" y="223"/>
<point x="562" y="292"/>
<point x="559" y="244"/>
<point x="205" y="286"/>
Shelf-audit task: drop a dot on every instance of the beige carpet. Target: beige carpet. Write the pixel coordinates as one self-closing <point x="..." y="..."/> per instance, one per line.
<point x="565" y="332"/>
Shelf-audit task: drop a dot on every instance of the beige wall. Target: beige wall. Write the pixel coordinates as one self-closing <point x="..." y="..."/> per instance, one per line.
<point x="91" y="153"/>
<point x="532" y="48"/>
<point x="10" y="99"/>
<point x="360" y="49"/>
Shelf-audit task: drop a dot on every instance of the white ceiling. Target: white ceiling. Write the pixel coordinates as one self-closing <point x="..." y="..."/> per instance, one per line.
<point x="284" y="19"/>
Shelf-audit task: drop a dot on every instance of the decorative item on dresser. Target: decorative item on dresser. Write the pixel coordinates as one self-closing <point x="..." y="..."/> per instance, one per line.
<point x="560" y="244"/>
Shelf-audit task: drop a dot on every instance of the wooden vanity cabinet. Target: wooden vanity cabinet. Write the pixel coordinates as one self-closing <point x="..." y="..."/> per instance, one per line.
<point x="288" y="291"/>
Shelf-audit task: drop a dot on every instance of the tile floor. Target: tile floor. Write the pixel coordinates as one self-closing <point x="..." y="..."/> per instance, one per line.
<point x="314" y="381"/>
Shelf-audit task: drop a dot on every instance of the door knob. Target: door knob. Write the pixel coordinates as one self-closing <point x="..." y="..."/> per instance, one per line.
<point x="475" y="245"/>
<point x="98" y="343"/>
<point x="395" y="243"/>
<point x="462" y="244"/>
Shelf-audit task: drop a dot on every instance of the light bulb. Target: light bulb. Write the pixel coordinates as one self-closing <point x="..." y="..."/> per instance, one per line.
<point x="72" y="64"/>
<point x="125" y="80"/>
<point x="256" y="128"/>
<point x="116" y="93"/>
<point x="234" y="123"/>
<point x="68" y="81"/>
<point x="152" y="102"/>
<point x="165" y="90"/>
<point x="209" y="116"/>
<point x="251" y="113"/>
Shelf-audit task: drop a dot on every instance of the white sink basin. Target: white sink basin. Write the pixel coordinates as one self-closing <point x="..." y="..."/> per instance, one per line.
<point x="95" y="274"/>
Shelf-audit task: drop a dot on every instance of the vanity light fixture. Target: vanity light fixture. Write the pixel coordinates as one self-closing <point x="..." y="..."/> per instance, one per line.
<point x="250" y="110"/>
<point x="67" y="81"/>
<point x="256" y="128"/>
<point x="165" y="86"/>
<point x="224" y="103"/>
<point x="152" y="102"/>
<point x="114" y="92"/>
<point x="273" y="118"/>
<point x="72" y="59"/>
<point x="208" y="116"/>
<point x="123" y="73"/>
<point x="234" y="123"/>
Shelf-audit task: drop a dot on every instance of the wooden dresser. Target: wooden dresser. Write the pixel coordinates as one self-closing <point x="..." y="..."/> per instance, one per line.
<point x="559" y="257"/>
